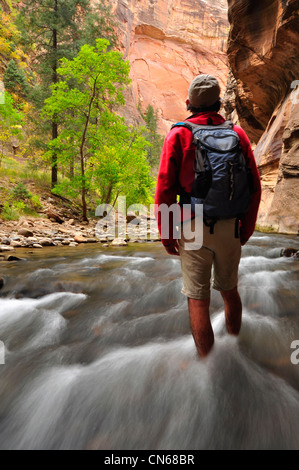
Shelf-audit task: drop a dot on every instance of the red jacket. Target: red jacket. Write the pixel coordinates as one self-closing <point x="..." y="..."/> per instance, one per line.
<point x="176" y="171"/>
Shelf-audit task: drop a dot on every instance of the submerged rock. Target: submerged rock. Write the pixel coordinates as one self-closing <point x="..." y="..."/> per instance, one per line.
<point x="14" y="258"/>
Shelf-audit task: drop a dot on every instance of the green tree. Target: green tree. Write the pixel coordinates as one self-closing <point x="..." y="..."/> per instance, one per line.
<point x="120" y="166"/>
<point x="11" y="121"/>
<point x="58" y="28"/>
<point x="154" y="138"/>
<point x="15" y="80"/>
<point x="107" y="152"/>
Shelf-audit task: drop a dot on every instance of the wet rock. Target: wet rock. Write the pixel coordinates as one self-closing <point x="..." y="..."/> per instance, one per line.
<point x="46" y="242"/>
<point x="73" y="244"/>
<point x="25" y="232"/>
<point x="288" y="252"/>
<point x="37" y="245"/>
<point x="32" y="239"/>
<point x="16" y="244"/>
<point x="91" y="240"/>
<point x="4" y="248"/>
<point x="14" y="258"/>
<point x="119" y="242"/>
<point x="79" y="238"/>
<point x="6" y="241"/>
<point x="1" y="282"/>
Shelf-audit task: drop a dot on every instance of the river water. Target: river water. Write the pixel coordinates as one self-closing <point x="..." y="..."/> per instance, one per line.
<point x="98" y="354"/>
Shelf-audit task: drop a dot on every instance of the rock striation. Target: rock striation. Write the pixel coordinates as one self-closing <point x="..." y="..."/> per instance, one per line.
<point x="264" y="74"/>
<point x="168" y="43"/>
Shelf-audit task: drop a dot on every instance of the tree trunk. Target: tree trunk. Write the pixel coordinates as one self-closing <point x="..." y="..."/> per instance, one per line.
<point x="108" y="196"/>
<point x="72" y="168"/>
<point x="84" y="206"/>
<point x="54" y="178"/>
<point x="83" y="191"/>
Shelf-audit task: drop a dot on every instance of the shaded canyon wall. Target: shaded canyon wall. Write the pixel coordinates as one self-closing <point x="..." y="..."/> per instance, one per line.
<point x="263" y="57"/>
<point x="168" y="43"/>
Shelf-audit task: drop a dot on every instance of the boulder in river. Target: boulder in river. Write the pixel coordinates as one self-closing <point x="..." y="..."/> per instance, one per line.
<point x="289" y="252"/>
<point x="14" y="258"/>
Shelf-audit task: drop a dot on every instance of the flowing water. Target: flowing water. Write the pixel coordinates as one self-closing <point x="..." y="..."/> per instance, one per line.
<point x="98" y="354"/>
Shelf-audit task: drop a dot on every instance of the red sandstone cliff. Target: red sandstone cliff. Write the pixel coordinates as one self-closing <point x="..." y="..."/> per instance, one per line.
<point x="263" y="56"/>
<point x="168" y="43"/>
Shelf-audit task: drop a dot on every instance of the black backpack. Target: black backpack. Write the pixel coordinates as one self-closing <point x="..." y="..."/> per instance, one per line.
<point x="223" y="181"/>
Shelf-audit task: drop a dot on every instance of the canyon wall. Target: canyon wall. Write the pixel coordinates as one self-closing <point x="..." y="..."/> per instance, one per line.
<point x="263" y="57"/>
<point x="168" y="43"/>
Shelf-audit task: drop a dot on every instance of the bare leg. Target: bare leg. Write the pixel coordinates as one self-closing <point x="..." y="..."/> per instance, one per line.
<point x="233" y="310"/>
<point x="201" y="327"/>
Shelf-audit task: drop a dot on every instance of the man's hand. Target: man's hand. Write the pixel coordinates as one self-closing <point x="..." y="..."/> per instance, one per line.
<point x="173" y="249"/>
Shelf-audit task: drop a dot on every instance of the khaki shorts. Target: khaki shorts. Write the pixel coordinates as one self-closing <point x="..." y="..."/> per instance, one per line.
<point x="220" y="253"/>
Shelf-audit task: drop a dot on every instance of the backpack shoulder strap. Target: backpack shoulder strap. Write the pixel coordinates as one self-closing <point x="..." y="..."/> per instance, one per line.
<point x="194" y="127"/>
<point x="186" y="124"/>
<point x="199" y="164"/>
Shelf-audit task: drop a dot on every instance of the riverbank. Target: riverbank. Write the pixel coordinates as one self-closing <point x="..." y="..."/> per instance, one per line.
<point x="36" y="233"/>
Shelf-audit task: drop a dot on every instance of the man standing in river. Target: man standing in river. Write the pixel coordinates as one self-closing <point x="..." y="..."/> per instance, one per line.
<point x="221" y="247"/>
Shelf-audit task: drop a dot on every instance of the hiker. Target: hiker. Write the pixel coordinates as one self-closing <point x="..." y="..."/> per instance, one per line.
<point x="223" y="235"/>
